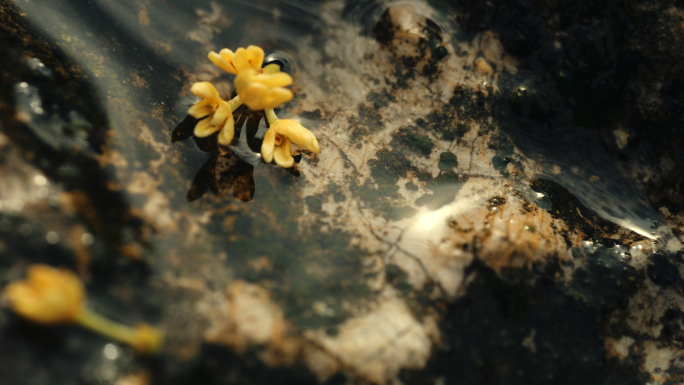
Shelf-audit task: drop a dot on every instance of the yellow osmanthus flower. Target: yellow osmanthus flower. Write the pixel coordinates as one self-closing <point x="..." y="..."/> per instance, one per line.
<point x="278" y="139"/>
<point x="48" y="295"/>
<point x="258" y="88"/>
<point x="261" y="91"/>
<point x="54" y="296"/>
<point x="216" y="114"/>
<point x="251" y="57"/>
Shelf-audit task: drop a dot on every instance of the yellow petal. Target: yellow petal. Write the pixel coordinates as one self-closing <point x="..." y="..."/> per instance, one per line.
<point x="275" y="97"/>
<point x="298" y="134"/>
<point x="227" y="132"/>
<point x="223" y="60"/>
<point x="221" y="114"/>
<point x="255" y="56"/>
<point x="48" y="295"/>
<point x="244" y="79"/>
<point x="240" y="60"/>
<point x="204" y="128"/>
<point x="282" y="155"/>
<point x="268" y="145"/>
<point x="204" y="90"/>
<point x="258" y="92"/>
<point x="280" y="79"/>
<point x="254" y="96"/>
<point x="201" y="109"/>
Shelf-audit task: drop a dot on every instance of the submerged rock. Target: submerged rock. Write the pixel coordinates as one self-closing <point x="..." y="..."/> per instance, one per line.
<point x="497" y="198"/>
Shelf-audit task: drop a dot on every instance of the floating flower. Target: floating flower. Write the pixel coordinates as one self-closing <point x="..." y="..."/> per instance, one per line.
<point x="258" y="88"/>
<point x="216" y="114"/>
<point x="48" y="295"/>
<point x="260" y="91"/>
<point x="250" y="58"/>
<point x="278" y="138"/>
<point x="53" y="296"/>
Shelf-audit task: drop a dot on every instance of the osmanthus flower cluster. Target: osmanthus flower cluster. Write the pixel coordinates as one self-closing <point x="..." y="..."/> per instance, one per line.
<point x="259" y="89"/>
<point x="51" y="296"/>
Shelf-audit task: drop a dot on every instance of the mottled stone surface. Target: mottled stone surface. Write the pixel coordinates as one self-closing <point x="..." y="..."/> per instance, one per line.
<point x="498" y="198"/>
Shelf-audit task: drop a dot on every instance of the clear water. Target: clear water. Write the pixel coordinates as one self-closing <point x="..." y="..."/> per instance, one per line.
<point x="156" y="44"/>
<point x="311" y="227"/>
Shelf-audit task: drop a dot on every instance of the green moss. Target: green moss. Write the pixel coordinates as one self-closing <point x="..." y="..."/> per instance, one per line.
<point x="439" y="53"/>
<point x="366" y="122"/>
<point x="449" y="122"/>
<point x="447" y="179"/>
<point x="410" y="186"/>
<point x="416" y="300"/>
<point x="371" y="194"/>
<point x="500" y="162"/>
<point x="389" y="166"/>
<point x="381" y="199"/>
<point x="424" y="176"/>
<point x="502" y="144"/>
<point x="395" y="212"/>
<point x="333" y="188"/>
<point x="447" y="161"/>
<point x="380" y="191"/>
<point x="410" y="138"/>
<point x="380" y="99"/>
<point x="357" y="131"/>
<point x="312" y="115"/>
<point x="370" y="118"/>
<point x="398" y="278"/>
<point x="443" y="191"/>
<point x="314" y="203"/>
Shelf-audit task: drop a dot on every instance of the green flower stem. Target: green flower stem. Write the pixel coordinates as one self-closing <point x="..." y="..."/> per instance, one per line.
<point x="271" y="69"/>
<point x="271" y="116"/>
<point x="234" y="103"/>
<point x="106" y="327"/>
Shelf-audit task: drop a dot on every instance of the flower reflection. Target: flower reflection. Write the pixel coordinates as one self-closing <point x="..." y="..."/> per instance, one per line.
<point x="224" y="174"/>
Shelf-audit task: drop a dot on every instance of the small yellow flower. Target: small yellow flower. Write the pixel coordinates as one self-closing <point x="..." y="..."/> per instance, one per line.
<point x="260" y="91"/>
<point x="277" y="140"/>
<point x="52" y="296"/>
<point x="250" y="58"/>
<point x="218" y="113"/>
<point x="48" y="295"/>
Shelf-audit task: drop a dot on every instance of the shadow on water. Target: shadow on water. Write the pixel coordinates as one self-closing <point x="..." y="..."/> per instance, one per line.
<point x="229" y="168"/>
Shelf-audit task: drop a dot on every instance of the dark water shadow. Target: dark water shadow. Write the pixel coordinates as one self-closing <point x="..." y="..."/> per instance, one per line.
<point x="229" y="169"/>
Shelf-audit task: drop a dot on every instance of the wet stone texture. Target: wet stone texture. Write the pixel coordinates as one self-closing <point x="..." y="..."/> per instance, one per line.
<point x="498" y="199"/>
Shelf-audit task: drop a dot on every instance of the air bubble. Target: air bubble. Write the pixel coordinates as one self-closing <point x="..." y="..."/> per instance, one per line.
<point x="110" y="351"/>
<point x="40" y="180"/>
<point x="52" y="237"/>
<point x="25" y="229"/>
<point x="28" y="100"/>
<point x="87" y="239"/>
<point x="38" y="67"/>
<point x="280" y="58"/>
